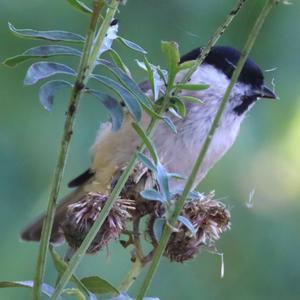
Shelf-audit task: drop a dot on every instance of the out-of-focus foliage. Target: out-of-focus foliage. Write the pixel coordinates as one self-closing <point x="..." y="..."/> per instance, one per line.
<point x="261" y="251"/>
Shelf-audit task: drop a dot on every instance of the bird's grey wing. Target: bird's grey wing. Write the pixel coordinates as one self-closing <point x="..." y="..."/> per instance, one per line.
<point x="33" y="231"/>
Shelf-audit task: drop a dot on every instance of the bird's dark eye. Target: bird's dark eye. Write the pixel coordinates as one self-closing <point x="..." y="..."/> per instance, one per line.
<point x="247" y="100"/>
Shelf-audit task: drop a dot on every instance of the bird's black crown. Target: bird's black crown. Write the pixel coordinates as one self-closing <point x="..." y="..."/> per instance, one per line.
<point x="225" y="59"/>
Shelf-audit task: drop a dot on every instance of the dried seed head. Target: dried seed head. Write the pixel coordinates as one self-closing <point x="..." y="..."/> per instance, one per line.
<point x="210" y="219"/>
<point x="81" y="216"/>
<point x="140" y="179"/>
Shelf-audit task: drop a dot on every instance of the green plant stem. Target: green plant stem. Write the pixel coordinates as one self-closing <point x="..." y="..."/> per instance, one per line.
<point x="79" y="254"/>
<point x="189" y="184"/>
<point x="81" y="80"/>
<point x="131" y="276"/>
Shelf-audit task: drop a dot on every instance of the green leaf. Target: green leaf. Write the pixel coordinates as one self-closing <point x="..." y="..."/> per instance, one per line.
<point x="61" y="266"/>
<point x="152" y="195"/>
<point x="150" y="111"/>
<point x="158" y="228"/>
<point x="179" y="106"/>
<point x="195" y="195"/>
<point x="170" y="124"/>
<point x="127" y="82"/>
<point x="190" y="99"/>
<point x="191" y="86"/>
<point x="49" y="90"/>
<point x="52" y="35"/>
<point x="187" y="223"/>
<point x="170" y="49"/>
<point x="113" y="106"/>
<point x="46" y="288"/>
<point x="163" y="180"/>
<point x="163" y="74"/>
<point x="130" y="101"/>
<point x="147" y="162"/>
<point x="125" y="296"/>
<point x="98" y="285"/>
<point x="147" y="141"/>
<point x="132" y="45"/>
<point x="150" y="73"/>
<point x="41" y="51"/>
<point x="118" y="61"/>
<point x="187" y="64"/>
<point x="44" y="69"/>
<point x="175" y="113"/>
<point x="80" y="6"/>
<point x="75" y="292"/>
<point x="154" y="78"/>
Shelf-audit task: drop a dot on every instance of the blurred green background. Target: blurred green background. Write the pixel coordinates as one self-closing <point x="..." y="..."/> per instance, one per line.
<point x="262" y="250"/>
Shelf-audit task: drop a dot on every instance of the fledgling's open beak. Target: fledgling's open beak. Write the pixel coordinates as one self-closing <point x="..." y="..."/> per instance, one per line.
<point x="266" y="92"/>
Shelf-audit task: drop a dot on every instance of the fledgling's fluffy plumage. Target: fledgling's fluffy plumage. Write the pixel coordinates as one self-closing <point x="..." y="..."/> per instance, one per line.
<point x="177" y="152"/>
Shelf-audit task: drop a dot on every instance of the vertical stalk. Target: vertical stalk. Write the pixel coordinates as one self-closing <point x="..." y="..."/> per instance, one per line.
<point x="79" y="254"/>
<point x="131" y="276"/>
<point x="179" y="205"/>
<point x="82" y="77"/>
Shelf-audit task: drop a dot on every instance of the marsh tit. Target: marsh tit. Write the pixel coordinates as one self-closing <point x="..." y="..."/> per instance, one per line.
<point x="178" y="152"/>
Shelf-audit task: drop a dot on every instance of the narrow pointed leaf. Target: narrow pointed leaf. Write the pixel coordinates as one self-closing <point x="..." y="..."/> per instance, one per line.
<point x="158" y="227"/>
<point x="127" y="82"/>
<point x="132" y="45"/>
<point x="170" y="49"/>
<point x="130" y="101"/>
<point x="170" y="124"/>
<point x="147" y="141"/>
<point x="152" y="195"/>
<point x="75" y="292"/>
<point x="118" y="61"/>
<point x="174" y="112"/>
<point x="191" y="99"/>
<point x="113" y="107"/>
<point x="163" y="74"/>
<point x="61" y="266"/>
<point x="52" y="35"/>
<point x="150" y="74"/>
<point x="163" y="180"/>
<point x="187" y="223"/>
<point x="179" y="106"/>
<point x="46" y="288"/>
<point x="48" y="91"/>
<point x="80" y="6"/>
<point x="195" y="195"/>
<point x="147" y="162"/>
<point x="41" y="51"/>
<point x="98" y="285"/>
<point x="155" y="81"/>
<point x="125" y="296"/>
<point x="43" y="69"/>
<point x="191" y="87"/>
<point x="187" y="64"/>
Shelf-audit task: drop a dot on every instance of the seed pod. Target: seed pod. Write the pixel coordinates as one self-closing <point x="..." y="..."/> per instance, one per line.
<point x="210" y="219"/>
<point x="81" y="216"/>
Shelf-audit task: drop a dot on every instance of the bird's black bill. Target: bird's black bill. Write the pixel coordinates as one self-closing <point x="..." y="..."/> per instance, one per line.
<point x="265" y="92"/>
